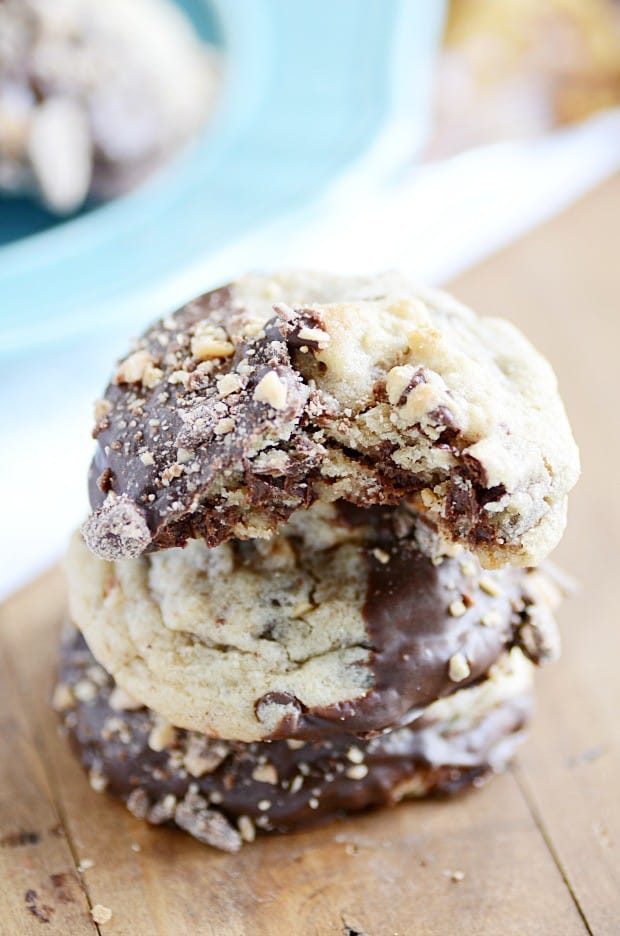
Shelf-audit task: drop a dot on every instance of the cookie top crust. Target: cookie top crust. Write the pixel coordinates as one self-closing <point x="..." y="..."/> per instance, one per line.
<point x="264" y="396"/>
<point x="348" y="619"/>
<point x="225" y="792"/>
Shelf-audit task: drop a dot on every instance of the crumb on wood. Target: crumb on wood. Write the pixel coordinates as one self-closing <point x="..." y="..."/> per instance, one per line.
<point x="101" y="914"/>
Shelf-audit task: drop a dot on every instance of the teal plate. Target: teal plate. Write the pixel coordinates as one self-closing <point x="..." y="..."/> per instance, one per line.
<point x="308" y="88"/>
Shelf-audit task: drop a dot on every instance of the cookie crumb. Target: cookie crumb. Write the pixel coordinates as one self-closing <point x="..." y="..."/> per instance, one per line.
<point x="85" y="865"/>
<point x="101" y="914"/>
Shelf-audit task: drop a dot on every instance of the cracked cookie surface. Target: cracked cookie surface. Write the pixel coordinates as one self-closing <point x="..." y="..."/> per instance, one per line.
<point x="265" y="396"/>
<point x="348" y="619"/>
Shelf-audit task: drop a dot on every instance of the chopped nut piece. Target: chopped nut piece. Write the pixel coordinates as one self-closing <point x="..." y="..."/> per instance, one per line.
<point x="457" y="608"/>
<point x="317" y="335"/>
<point x="147" y="458"/>
<point x="139" y="367"/>
<point x="355" y="755"/>
<point x="227" y="384"/>
<point x="490" y="586"/>
<point x="271" y="390"/>
<point x="381" y="556"/>
<point x="264" y="805"/>
<point x="85" y="690"/>
<point x="172" y="471"/>
<point x="103" y="408"/>
<point x="162" y="735"/>
<point x="459" y="668"/>
<point x="357" y="772"/>
<point x="265" y="773"/>
<point x="202" y="757"/>
<point x="97" y="781"/>
<point x="225" y="425"/>
<point x="210" y="342"/>
<point x="184" y="455"/>
<point x="246" y="828"/>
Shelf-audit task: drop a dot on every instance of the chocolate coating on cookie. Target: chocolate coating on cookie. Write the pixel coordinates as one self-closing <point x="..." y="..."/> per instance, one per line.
<point x="348" y="620"/>
<point x="224" y="792"/>
<point x="425" y="617"/>
<point x="239" y="410"/>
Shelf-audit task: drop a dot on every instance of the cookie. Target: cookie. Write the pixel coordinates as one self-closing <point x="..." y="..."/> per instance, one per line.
<point x="223" y="793"/>
<point x="347" y="620"/>
<point x="84" y="109"/>
<point x="265" y="396"/>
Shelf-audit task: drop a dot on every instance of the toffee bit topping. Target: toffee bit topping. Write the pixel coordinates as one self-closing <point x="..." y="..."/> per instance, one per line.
<point x="314" y="336"/>
<point x="355" y="755"/>
<point x="457" y="608"/>
<point x="162" y="735"/>
<point x="490" y="586"/>
<point x="271" y="390"/>
<point x="459" y="668"/>
<point x="85" y="690"/>
<point x="139" y="367"/>
<point x="265" y="773"/>
<point x="381" y="556"/>
<point x="357" y="772"/>
<point x="247" y="829"/>
<point x="210" y="342"/>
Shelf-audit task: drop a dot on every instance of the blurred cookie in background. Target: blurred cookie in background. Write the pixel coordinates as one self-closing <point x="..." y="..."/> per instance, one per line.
<point x="94" y="96"/>
<point x="520" y="67"/>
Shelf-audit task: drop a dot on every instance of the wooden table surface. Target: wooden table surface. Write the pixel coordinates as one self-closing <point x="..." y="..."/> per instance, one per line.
<point x="539" y="847"/>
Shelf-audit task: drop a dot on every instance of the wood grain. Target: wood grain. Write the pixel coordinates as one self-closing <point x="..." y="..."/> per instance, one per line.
<point x="561" y="284"/>
<point x="539" y="847"/>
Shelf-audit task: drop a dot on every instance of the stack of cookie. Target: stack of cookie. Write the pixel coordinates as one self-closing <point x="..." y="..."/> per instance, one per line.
<point x="308" y="585"/>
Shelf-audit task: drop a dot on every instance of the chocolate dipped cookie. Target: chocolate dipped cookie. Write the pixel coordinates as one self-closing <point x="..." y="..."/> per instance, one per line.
<point x="224" y="792"/>
<point x="260" y="398"/>
<point x="347" y="620"/>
